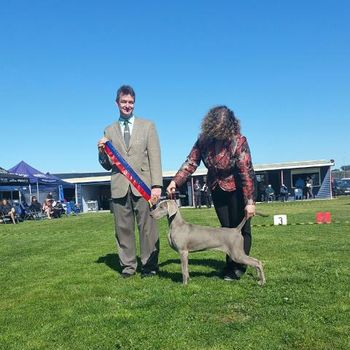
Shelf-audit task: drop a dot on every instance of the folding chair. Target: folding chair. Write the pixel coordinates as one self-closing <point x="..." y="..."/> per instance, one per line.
<point x="5" y="219"/>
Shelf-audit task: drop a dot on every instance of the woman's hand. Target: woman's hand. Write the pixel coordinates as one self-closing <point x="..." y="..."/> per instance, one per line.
<point x="249" y="210"/>
<point x="171" y="188"/>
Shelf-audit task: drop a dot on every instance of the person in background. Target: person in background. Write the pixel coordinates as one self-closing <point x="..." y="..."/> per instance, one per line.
<point x="299" y="191"/>
<point x="35" y="206"/>
<point x="8" y="210"/>
<point x="308" y="185"/>
<point x="269" y="193"/>
<point x="284" y="193"/>
<point x="48" y="208"/>
<point x="231" y="178"/>
<point x="197" y="194"/>
<point x="207" y="195"/>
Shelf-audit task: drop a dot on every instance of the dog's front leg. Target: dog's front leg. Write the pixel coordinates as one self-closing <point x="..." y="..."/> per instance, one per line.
<point x="184" y="266"/>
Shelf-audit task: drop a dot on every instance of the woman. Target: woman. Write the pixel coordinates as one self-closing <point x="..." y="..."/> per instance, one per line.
<point x="308" y="186"/>
<point x="48" y="208"/>
<point x="231" y="179"/>
<point x="8" y="210"/>
<point x="35" y="206"/>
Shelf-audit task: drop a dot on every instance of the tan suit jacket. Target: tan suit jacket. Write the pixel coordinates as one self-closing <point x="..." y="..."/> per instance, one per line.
<point x="143" y="155"/>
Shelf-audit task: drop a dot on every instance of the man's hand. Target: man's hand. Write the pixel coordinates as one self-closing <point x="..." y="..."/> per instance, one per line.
<point x="171" y="188"/>
<point x="249" y="210"/>
<point x="101" y="143"/>
<point x="155" y="194"/>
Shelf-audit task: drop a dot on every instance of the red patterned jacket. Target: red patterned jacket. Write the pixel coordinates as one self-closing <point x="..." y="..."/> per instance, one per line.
<point x="229" y="165"/>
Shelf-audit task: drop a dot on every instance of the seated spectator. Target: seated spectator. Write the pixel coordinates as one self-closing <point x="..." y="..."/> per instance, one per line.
<point x="35" y="206"/>
<point x="300" y="187"/>
<point x="298" y="193"/>
<point x="269" y="194"/>
<point x="49" y="196"/>
<point x="8" y="210"/>
<point x="48" y="208"/>
<point x="58" y="209"/>
<point x="300" y="183"/>
<point x="20" y="210"/>
<point x="284" y="193"/>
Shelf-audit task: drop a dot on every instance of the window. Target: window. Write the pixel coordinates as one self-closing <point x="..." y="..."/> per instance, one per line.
<point x="301" y="175"/>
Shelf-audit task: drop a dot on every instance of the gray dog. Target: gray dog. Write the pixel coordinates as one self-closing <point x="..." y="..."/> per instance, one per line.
<point x="184" y="238"/>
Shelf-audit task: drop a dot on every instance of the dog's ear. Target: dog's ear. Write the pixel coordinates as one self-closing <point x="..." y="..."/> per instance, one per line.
<point x="172" y="208"/>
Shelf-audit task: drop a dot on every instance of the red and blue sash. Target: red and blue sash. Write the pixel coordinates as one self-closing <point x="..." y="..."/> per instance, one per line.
<point x="127" y="171"/>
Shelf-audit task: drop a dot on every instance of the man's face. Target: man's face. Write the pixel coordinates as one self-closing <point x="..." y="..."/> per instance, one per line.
<point x="126" y="105"/>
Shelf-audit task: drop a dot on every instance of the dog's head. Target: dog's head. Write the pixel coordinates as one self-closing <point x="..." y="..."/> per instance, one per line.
<point x="167" y="207"/>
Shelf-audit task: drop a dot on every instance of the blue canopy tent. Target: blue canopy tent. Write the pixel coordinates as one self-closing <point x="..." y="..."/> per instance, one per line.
<point x="44" y="183"/>
<point x="12" y="183"/>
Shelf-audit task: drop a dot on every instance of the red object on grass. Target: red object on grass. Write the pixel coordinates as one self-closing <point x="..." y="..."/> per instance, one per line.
<point x="323" y="217"/>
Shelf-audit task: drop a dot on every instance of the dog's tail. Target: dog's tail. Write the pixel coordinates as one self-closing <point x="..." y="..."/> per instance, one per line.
<point x="240" y="226"/>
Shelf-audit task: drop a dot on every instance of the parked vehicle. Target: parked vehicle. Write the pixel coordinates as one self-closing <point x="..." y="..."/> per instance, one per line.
<point x="344" y="187"/>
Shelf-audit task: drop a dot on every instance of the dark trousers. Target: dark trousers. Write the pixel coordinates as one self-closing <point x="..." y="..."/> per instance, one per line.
<point x="229" y="207"/>
<point x="197" y="199"/>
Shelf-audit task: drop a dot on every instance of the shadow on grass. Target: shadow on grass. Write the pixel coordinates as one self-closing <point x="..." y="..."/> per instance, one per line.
<point x="177" y="276"/>
<point x="111" y="260"/>
<point x="213" y="263"/>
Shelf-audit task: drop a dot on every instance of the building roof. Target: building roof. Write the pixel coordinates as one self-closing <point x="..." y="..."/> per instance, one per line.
<point x="294" y="165"/>
<point x="98" y="177"/>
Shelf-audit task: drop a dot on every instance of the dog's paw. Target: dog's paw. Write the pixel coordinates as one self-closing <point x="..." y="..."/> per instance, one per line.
<point x="261" y="283"/>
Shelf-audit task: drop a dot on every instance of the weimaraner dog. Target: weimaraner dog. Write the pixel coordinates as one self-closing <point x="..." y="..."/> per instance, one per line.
<point x="184" y="238"/>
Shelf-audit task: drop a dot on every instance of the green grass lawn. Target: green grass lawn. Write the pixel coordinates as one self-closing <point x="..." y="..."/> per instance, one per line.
<point x="60" y="287"/>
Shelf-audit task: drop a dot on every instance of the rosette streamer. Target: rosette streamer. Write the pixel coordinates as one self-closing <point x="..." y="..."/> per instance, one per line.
<point x="127" y="171"/>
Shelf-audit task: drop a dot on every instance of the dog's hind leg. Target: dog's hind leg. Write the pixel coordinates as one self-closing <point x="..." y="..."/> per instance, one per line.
<point x="184" y="266"/>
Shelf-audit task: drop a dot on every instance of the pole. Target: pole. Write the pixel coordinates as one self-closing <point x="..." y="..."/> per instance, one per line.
<point x="192" y="191"/>
<point x="76" y="194"/>
<point x="282" y="179"/>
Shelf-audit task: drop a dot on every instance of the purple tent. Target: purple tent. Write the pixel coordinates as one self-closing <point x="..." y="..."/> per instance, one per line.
<point x="35" y="176"/>
<point x="8" y="179"/>
<point x="38" y="178"/>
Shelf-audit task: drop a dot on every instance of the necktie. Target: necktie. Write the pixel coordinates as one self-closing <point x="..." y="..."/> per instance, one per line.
<point x="126" y="133"/>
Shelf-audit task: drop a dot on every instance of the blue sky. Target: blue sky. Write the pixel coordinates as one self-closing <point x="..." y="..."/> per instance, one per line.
<point x="282" y="66"/>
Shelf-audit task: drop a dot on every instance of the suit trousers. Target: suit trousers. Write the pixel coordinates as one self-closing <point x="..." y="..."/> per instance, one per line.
<point x="229" y="207"/>
<point x="125" y="211"/>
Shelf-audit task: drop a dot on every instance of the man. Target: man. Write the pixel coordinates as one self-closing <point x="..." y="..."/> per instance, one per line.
<point x="197" y="194"/>
<point x="284" y="193"/>
<point x="137" y="141"/>
<point x="207" y="195"/>
<point x="270" y="193"/>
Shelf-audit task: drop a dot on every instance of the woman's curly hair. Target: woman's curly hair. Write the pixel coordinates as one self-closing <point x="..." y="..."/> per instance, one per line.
<point x="220" y="123"/>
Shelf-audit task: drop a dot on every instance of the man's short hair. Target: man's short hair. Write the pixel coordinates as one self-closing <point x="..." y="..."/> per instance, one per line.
<point x="125" y="90"/>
